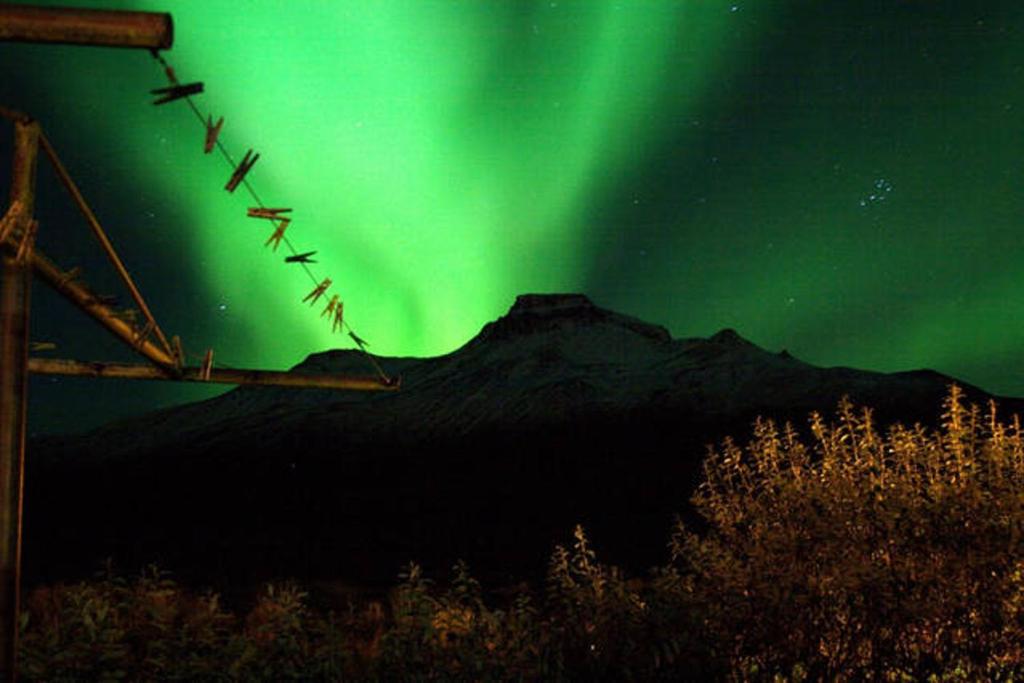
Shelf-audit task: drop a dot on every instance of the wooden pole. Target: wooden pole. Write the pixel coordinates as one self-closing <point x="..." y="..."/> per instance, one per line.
<point x="17" y="260"/>
<point x="46" y="366"/>
<point x="109" y="28"/>
<point x="15" y="280"/>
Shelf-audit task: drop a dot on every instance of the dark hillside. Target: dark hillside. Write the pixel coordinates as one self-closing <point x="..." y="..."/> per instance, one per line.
<point x="555" y="414"/>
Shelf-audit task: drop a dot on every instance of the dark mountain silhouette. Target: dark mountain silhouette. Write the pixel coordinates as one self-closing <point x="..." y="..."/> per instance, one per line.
<point x="556" y="413"/>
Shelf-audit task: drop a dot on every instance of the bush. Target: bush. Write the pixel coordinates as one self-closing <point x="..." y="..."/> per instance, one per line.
<point x="454" y="635"/>
<point x="861" y="557"/>
<point x="868" y="557"/>
<point x="604" y="626"/>
<point x="111" y="629"/>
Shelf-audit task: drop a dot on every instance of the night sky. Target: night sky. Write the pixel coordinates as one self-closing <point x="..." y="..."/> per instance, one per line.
<point x="839" y="179"/>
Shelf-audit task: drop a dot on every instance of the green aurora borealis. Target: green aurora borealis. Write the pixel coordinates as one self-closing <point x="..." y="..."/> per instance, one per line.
<point x="840" y="179"/>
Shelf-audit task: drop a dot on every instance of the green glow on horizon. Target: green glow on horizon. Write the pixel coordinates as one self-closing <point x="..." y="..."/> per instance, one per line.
<point x="695" y="164"/>
<point x="439" y="162"/>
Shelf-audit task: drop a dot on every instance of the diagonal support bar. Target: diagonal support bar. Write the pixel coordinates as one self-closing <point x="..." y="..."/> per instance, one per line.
<point x="97" y="230"/>
<point x="81" y="297"/>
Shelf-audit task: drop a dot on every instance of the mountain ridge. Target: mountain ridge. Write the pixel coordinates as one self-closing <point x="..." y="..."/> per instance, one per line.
<point x="558" y="412"/>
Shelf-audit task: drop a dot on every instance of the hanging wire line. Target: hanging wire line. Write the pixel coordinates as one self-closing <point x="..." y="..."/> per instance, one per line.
<point x="198" y="359"/>
<point x="172" y="77"/>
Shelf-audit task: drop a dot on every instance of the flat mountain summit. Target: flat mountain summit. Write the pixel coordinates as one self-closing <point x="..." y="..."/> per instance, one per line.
<point x="559" y="412"/>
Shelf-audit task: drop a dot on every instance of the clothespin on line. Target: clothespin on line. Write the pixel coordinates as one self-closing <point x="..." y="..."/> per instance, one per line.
<point x="330" y="306"/>
<point x="142" y="334"/>
<point x="262" y="212"/>
<point x="127" y="314"/>
<point x="338" y="317"/>
<point x="70" y="274"/>
<point x="362" y="343"/>
<point x="204" y="371"/>
<point x="278" y="234"/>
<point x="14" y="221"/>
<point x="167" y="67"/>
<point x="238" y="175"/>
<point x="335" y="307"/>
<point x="11" y="219"/>
<point x="176" y="92"/>
<point x="179" y="354"/>
<point x="212" y="132"/>
<point x="304" y="257"/>
<point x="26" y="242"/>
<point x="317" y="291"/>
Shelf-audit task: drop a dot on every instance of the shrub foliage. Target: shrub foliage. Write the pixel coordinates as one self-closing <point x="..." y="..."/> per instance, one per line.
<point x="866" y="557"/>
<point x="861" y="556"/>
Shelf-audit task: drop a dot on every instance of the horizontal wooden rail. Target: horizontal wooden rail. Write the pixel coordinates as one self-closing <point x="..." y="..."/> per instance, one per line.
<point x="108" y="28"/>
<point x="45" y="366"/>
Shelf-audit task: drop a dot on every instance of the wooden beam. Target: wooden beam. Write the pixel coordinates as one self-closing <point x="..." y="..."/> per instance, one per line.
<point x="101" y="236"/>
<point x="14" y="115"/>
<point x="108" y="28"/>
<point x="15" y="281"/>
<point x="55" y="276"/>
<point x="46" y="366"/>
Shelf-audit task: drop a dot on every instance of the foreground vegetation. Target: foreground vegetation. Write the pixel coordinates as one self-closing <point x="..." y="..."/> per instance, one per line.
<point x="859" y="557"/>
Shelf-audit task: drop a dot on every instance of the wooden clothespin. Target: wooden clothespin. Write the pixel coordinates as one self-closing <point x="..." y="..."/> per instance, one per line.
<point x="300" y="258"/>
<point x="127" y="314"/>
<point x="26" y="242"/>
<point x="16" y="226"/>
<point x="330" y="306"/>
<point x="338" y="317"/>
<point x="361" y="342"/>
<point x="238" y="175"/>
<point x="318" y="291"/>
<point x="70" y="275"/>
<point x="207" y="367"/>
<point x="177" y="351"/>
<point x="212" y="131"/>
<point x="272" y="214"/>
<point x="278" y="233"/>
<point x="143" y="333"/>
<point x="176" y="92"/>
<point x="11" y="219"/>
<point x="167" y="67"/>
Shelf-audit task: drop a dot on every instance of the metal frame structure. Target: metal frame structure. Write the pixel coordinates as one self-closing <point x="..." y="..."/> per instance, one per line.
<point x="19" y="259"/>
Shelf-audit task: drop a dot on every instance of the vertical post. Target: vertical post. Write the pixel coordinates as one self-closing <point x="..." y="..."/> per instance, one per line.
<point x="15" y="280"/>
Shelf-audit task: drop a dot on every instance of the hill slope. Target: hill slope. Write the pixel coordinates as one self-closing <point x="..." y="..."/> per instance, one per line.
<point x="556" y="413"/>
